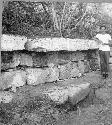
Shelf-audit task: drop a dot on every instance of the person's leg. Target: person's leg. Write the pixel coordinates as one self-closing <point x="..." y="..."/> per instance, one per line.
<point x="102" y="62"/>
<point x="106" y="57"/>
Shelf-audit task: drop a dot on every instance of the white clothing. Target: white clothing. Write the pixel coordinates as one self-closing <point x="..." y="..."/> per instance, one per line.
<point x="105" y="39"/>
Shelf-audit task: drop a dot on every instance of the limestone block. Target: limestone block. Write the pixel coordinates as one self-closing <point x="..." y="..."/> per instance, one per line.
<point x="52" y="57"/>
<point x="26" y="59"/>
<point x="57" y="44"/>
<point x="78" y="93"/>
<point x="81" y="66"/>
<point x="75" y="71"/>
<point x="65" y="71"/>
<point x="6" y="97"/>
<point x="53" y="73"/>
<point x="78" y="55"/>
<point x="13" y="79"/>
<point x="12" y="42"/>
<point x="16" y="60"/>
<point x="6" y="60"/>
<point x="64" y="57"/>
<point x="39" y="59"/>
<point x="69" y="70"/>
<point x="36" y="76"/>
<point x="74" y="93"/>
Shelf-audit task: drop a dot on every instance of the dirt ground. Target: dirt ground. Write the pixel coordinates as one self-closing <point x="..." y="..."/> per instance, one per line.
<point x="95" y="109"/>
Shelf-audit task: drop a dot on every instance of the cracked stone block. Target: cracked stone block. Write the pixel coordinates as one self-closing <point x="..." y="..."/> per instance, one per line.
<point x="13" y="79"/>
<point x="73" y="92"/>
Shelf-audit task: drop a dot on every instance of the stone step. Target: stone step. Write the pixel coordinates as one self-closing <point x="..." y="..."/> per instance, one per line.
<point x="58" y="93"/>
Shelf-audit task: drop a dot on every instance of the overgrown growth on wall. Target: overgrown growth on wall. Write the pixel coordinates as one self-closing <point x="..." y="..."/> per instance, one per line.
<point x="53" y="19"/>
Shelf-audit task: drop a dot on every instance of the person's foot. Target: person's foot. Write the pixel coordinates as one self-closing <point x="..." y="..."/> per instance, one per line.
<point x="104" y="76"/>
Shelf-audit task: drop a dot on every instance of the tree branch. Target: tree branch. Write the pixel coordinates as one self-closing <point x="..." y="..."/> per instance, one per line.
<point x="80" y="19"/>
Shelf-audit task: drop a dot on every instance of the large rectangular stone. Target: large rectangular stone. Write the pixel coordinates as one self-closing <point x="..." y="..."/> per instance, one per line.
<point x="78" y="55"/>
<point x="13" y="79"/>
<point x="53" y="73"/>
<point x="41" y="75"/>
<point x="39" y="59"/>
<point x="68" y="92"/>
<point x="12" y="42"/>
<point x="52" y="57"/>
<point x="26" y="59"/>
<point x="64" y="57"/>
<point x="6" y="60"/>
<point x="69" y="70"/>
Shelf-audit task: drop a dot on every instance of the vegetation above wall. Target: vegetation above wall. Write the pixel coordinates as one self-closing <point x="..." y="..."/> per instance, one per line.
<point x="55" y="19"/>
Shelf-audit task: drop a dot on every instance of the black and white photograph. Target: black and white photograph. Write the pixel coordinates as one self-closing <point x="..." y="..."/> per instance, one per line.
<point x="56" y="63"/>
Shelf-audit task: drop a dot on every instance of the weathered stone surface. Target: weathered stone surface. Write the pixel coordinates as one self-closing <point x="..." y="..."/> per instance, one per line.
<point x="78" y="93"/>
<point x="6" y="60"/>
<point x="13" y="79"/>
<point x="11" y="42"/>
<point x="81" y="66"/>
<point x="39" y="59"/>
<point x="69" y="70"/>
<point x="75" y="93"/>
<point x="75" y="71"/>
<point x="53" y="73"/>
<point x="75" y="90"/>
<point x="87" y="66"/>
<point x="64" y="57"/>
<point x="65" y="71"/>
<point x="37" y="76"/>
<point x="102" y="93"/>
<point x="52" y="57"/>
<point x="57" y="44"/>
<point x="26" y="59"/>
<point x="75" y="56"/>
<point x="94" y="64"/>
<point x="16" y="60"/>
<point x="6" y="97"/>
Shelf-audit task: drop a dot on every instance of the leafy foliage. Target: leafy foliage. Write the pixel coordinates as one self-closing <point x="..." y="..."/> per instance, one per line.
<point x="56" y="19"/>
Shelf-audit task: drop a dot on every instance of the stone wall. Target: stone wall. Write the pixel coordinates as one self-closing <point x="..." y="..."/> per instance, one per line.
<point x="39" y="61"/>
<point x="32" y="68"/>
